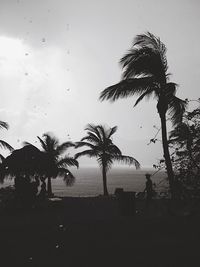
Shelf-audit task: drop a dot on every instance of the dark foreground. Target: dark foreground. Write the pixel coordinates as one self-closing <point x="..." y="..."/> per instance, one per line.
<point x="91" y="232"/>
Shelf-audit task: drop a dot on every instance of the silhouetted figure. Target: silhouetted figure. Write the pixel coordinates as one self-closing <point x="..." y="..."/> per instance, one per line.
<point x="148" y="189"/>
<point x="33" y="190"/>
<point x="43" y="191"/>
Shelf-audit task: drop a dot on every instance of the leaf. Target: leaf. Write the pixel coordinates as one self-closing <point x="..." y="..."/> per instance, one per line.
<point x="127" y="88"/>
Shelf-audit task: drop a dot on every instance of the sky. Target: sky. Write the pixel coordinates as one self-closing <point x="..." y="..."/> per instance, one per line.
<point x="56" y="56"/>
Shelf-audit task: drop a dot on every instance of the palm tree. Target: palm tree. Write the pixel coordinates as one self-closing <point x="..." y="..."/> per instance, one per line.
<point x="99" y="142"/>
<point x="145" y="75"/>
<point x="51" y="146"/>
<point x="3" y="144"/>
<point x="28" y="162"/>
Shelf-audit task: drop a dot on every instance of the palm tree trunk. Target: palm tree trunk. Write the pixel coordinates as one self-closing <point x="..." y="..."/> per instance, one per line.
<point x="105" y="190"/>
<point x="49" y="187"/>
<point x="168" y="163"/>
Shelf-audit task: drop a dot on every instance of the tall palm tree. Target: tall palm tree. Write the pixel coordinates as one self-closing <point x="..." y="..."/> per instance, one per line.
<point x="146" y="74"/>
<point x="100" y="144"/>
<point x="51" y="146"/>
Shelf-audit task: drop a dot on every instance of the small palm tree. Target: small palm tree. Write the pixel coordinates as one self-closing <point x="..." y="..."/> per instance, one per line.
<point x="145" y="75"/>
<point x="99" y="142"/>
<point x="51" y="146"/>
<point x="3" y="144"/>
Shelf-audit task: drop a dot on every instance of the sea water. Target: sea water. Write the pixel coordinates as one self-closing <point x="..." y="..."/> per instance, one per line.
<point x="89" y="181"/>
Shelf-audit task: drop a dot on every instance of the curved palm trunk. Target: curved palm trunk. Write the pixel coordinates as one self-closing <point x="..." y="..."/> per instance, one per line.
<point x="49" y="187"/>
<point x="170" y="172"/>
<point x="105" y="190"/>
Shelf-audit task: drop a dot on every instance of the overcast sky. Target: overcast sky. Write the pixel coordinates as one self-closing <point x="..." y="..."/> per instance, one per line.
<point x="56" y="56"/>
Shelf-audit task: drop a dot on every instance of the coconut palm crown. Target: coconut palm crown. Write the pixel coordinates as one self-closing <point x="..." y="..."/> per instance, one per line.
<point x="55" y="150"/>
<point x="100" y="145"/>
<point x="145" y="74"/>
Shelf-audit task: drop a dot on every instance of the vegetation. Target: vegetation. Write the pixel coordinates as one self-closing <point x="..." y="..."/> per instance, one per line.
<point x="3" y="144"/>
<point x="55" y="151"/>
<point x="146" y="74"/>
<point x="100" y="144"/>
<point x="185" y="143"/>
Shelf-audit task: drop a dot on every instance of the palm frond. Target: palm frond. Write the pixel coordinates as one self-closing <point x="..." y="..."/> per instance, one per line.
<point x="67" y="162"/>
<point x="176" y="109"/>
<point x="4" y="125"/>
<point x="126" y="160"/>
<point x="180" y="132"/>
<point x="147" y="94"/>
<point x="51" y="142"/>
<point x="81" y="144"/>
<point x="1" y="158"/>
<point x="150" y="40"/>
<point x="112" y="131"/>
<point x="102" y="132"/>
<point x="128" y="87"/>
<point x="113" y="149"/>
<point x="169" y="89"/>
<point x="108" y="162"/>
<point x="144" y="61"/>
<point x="68" y="177"/>
<point x="5" y="145"/>
<point x="94" y="129"/>
<point x="105" y="161"/>
<point x="90" y="153"/>
<point x="91" y="138"/>
<point x="43" y="144"/>
<point x="64" y="146"/>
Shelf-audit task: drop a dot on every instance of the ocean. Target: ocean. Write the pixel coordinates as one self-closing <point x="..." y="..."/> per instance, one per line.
<point x="89" y="181"/>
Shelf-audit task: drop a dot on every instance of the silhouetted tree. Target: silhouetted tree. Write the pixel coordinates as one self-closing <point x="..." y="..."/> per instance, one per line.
<point x="51" y="146"/>
<point x="3" y="144"/>
<point x="145" y="74"/>
<point x="26" y="165"/>
<point x="185" y="142"/>
<point x="100" y="144"/>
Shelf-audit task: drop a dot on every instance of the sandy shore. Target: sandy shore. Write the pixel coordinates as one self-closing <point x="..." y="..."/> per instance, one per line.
<point x="91" y="232"/>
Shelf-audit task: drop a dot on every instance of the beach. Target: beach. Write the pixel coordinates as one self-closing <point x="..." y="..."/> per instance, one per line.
<point x="86" y="230"/>
<point x="91" y="232"/>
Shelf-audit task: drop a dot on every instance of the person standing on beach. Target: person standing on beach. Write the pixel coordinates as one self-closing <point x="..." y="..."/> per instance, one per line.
<point x="148" y="189"/>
